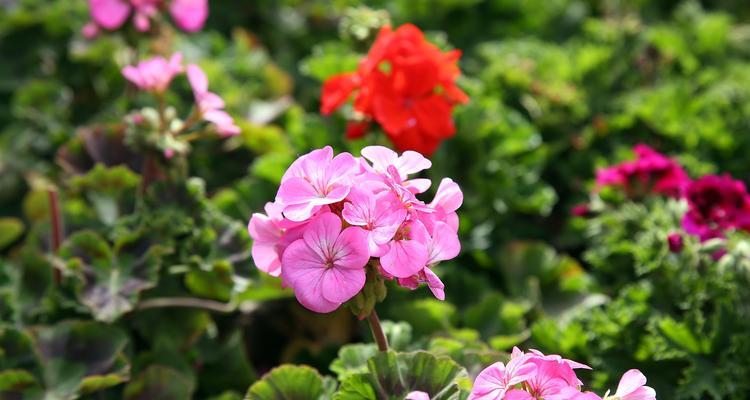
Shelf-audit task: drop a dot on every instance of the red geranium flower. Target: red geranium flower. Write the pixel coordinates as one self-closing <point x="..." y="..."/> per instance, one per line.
<point x="405" y="84"/>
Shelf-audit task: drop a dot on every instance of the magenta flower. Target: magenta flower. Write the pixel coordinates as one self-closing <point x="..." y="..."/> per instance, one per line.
<point x="650" y="172"/>
<point x="154" y="74"/>
<point x="632" y="386"/>
<point x="189" y="15"/>
<point x="498" y="379"/>
<point x="716" y="204"/>
<point x="403" y="236"/>
<point x="210" y="105"/>
<point x="326" y="267"/>
<point x="314" y="180"/>
<point x="675" y="242"/>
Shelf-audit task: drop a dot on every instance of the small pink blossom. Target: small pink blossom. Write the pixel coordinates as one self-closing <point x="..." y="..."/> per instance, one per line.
<point x="380" y="214"/>
<point x="716" y="203"/>
<point x="314" y="180"/>
<point x="406" y="254"/>
<point x="210" y="105"/>
<point x="632" y="386"/>
<point x="326" y="267"/>
<point x="154" y="74"/>
<point x="496" y="380"/>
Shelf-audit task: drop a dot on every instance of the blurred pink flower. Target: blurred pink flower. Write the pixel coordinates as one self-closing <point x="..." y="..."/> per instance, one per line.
<point x="210" y="105"/>
<point x="650" y="172"/>
<point x="189" y="15"/>
<point x="417" y="395"/>
<point x="716" y="204"/>
<point x="154" y="74"/>
<point x="326" y="266"/>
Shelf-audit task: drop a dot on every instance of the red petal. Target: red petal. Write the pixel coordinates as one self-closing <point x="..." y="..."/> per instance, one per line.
<point x="336" y="90"/>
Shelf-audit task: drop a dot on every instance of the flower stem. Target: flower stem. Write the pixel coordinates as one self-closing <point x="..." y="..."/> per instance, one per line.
<point x="186" y="302"/>
<point x="377" y="331"/>
<point x="57" y="227"/>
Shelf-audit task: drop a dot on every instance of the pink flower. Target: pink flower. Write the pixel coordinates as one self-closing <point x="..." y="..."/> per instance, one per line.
<point x="326" y="266"/>
<point x="410" y="162"/>
<point x="210" y="105"/>
<point x="189" y="15"/>
<point x="404" y="236"/>
<point x="650" y="172"/>
<point x="314" y="180"/>
<point x="716" y="204"/>
<point x="632" y="386"/>
<point x="154" y="74"/>
<point x="380" y="214"/>
<point x="496" y="380"/>
<point x="406" y="254"/>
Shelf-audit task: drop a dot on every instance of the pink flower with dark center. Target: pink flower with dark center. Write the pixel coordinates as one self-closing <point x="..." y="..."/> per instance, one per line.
<point x="650" y="172"/>
<point x="210" y="105"/>
<point x="326" y="267"/>
<point x="154" y="74"/>
<point x="314" y="180"/>
<point x="716" y="204"/>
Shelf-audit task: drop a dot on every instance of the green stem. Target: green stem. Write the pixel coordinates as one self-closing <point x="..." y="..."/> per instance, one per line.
<point x="377" y="331"/>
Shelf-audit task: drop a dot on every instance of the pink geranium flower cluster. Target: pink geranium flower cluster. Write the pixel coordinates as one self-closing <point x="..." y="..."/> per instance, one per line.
<point x="334" y="215"/>
<point x="110" y="15"/>
<point x="650" y="172"/>
<point x="716" y="203"/>
<point x="533" y="375"/>
<point x="156" y="74"/>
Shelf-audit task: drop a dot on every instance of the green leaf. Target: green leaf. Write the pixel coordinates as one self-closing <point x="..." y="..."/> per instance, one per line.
<point x="393" y="375"/>
<point x="112" y="278"/>
<point x="288" y="382"/>
<point x="159" y="382"/>
<point x="14" y="380"/>
<point x="352" y="359"/>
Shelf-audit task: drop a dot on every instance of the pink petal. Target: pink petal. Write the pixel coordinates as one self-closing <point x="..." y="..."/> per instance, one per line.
<point x="380" y="157"/>
<point x="630" y="381"/>
<point x="132" y="74"/>
<point x="301" y="212"/>
<point x="517" y="394"/>
<point x="266" y="258"/>
<point x="351" y="250"/>
<point x="210" y="101"/>
<point x="198" y="80"/>
<point x="296" y="191"/>
<point x="141" y="22"/>
<point x="435" y="284"/>
<point x="404" y="258"/>
<point x="418" y="185"/>
<point x="445" y="244"/>
<point x="341" y="284"/>
<point x="449" y="196"/>
<point x="412" y="162"/>
<point x="321" y="235"/>
<point x="490" y="383"/>
<point x="417" y="395"/>
<point x="109" y="14"/>
<point x="301" y="167"/>
<point x="90" y="30"/>
<point x="189" y="15"/>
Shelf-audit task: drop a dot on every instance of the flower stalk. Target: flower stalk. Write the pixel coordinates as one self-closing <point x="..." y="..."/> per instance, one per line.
<point x="57" y="227"/>
<point x="377" y="331"/>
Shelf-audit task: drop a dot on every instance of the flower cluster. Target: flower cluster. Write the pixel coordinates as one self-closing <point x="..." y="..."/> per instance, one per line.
<point x="650" y="172"/>
<point x="110" y="15"/>
<point x="716" y="203"/>
<point x="155" y="75"/>
<point x="533" y="375"/>
<point x="406" y="85"/>
<point x="336" y="217"/>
